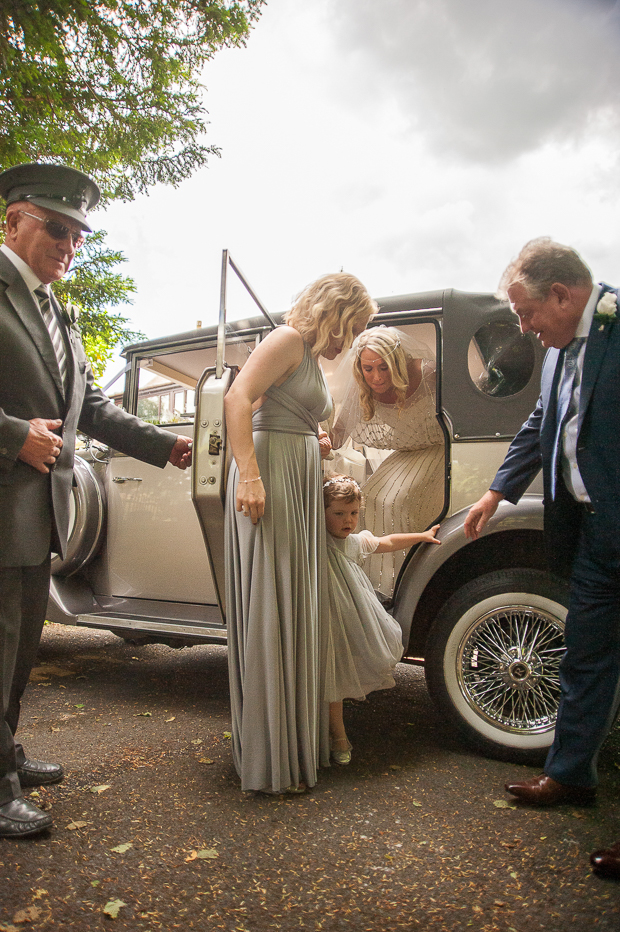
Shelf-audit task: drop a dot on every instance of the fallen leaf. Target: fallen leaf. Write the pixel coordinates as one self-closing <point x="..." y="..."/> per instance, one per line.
<point x="197" y="741"/>
<point x="171" y="719"/>
<point x="52" y="728"/>
<point x="504" y="804"/>
<point x="45" y="670"/>
<point x="414" y="802"/>
<point x="514" y="875"/>
<point x="207" y="854"/>
<point x="112" y="907"/>
<point x="95" y="883"/>
<point x="73" y="825"/>
<point x="121" y="849"/>
<point x="101" y="789"/>
<point x="146" y="714"/>
<point x="205" y="760"/>
<point x="79" y="705"/>
<point x="227" y="734"/>
<point x="27" y="915"/>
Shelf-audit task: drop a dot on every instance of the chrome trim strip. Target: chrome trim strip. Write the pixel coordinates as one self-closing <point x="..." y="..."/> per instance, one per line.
<point x="161" y="627"/>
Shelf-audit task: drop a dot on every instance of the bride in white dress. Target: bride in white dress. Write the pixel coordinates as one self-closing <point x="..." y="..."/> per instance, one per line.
<point x="389" y="404"/>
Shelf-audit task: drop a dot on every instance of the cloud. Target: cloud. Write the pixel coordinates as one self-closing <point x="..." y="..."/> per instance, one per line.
<point x="486" y="80"/>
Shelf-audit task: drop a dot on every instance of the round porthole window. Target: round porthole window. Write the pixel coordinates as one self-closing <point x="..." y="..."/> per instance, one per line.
<point x="501" y="359"/>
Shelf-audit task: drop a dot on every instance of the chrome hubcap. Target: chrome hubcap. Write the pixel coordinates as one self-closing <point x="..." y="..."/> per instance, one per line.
<point x="508" y="668"/>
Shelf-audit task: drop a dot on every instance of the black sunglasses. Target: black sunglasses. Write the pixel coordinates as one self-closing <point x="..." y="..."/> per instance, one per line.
<point x="58" y="230"/>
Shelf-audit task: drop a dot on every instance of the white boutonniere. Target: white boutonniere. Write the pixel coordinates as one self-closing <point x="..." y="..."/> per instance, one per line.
<point x="606" y="310"/>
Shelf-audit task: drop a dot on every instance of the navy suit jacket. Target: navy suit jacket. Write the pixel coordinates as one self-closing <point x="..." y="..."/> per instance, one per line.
<point x="34" y="507"/>
<point x="598" y="448"/>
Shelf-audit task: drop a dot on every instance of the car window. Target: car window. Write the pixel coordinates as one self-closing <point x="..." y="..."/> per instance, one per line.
<point x="167" y="382"/>
<point x="501" y="359"/>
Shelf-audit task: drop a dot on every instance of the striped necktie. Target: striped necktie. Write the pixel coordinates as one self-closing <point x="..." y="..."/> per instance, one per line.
<point x="51" y="323"/>
<point x="565" y="406"/>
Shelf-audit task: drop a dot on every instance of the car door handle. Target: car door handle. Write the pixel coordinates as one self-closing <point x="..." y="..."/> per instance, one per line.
<point x="126" y="479"/>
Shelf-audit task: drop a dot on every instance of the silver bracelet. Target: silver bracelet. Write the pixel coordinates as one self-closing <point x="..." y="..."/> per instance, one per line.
<point x="249" y="480"/>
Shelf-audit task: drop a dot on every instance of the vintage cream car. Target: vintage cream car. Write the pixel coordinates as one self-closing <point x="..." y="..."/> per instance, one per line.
<point x="485" y="618"/>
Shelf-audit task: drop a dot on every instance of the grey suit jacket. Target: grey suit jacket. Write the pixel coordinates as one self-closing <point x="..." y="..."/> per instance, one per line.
<point x="34" y="507"/>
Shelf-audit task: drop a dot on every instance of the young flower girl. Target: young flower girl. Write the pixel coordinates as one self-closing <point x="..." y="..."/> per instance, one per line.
<point x="364" y="641"/>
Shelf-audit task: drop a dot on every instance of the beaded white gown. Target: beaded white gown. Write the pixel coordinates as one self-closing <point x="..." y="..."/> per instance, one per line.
<point x="406" y="492"/>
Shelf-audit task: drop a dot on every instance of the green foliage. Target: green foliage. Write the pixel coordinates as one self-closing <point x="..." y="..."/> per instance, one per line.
<point x="90" y="287"/>
<point x="112" y="87"/>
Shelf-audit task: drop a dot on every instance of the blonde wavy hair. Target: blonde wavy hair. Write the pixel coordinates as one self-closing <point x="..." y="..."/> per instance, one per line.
<point x="341" y="489"/>
<point x="328" y="309"/>
<point x="385" y="342"/>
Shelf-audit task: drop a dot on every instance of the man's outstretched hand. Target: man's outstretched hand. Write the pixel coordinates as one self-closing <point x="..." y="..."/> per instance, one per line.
<point x="181" y="453"/>
<point x="480" y="513"/>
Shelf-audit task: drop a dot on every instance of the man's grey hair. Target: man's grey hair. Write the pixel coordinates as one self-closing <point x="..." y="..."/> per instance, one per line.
<point x="540" y="264"/>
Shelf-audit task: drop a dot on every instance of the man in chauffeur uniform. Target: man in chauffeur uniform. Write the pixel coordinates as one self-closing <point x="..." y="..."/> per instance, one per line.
<point x="574" y="435"/>
<point x="47" y="392"/>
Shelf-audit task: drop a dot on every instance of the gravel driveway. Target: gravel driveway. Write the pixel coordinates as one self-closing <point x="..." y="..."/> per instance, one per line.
<point x="152" y="832"/>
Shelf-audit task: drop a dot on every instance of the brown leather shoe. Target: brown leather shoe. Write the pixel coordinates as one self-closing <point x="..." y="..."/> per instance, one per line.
<point x="606" y="861"/>
<point x="545" y="791"/>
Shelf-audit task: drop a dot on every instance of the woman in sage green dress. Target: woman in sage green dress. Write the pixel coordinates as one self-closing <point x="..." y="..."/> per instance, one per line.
<point x="276" y="590"/>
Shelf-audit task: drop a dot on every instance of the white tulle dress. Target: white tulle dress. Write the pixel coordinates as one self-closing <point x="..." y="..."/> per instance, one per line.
<point x="365" y="643"/>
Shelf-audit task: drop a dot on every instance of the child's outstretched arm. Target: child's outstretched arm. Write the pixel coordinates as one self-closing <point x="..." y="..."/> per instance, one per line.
<point x="393" y="542"/>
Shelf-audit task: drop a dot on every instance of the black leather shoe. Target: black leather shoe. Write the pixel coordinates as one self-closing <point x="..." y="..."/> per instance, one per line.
<point x="606" y="861"/>
<point x="19" y="818"/>
<point x="545" y="791"/>
<point x="38" y="773"/>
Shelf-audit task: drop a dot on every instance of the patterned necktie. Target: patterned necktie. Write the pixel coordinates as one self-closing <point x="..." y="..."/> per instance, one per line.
<point x="566" y="405"/>
<point x="54" y="330"/>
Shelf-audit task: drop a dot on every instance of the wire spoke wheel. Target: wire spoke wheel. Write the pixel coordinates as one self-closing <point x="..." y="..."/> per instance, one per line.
<point x="492" y="661"/>
<point x="508" y="667"/>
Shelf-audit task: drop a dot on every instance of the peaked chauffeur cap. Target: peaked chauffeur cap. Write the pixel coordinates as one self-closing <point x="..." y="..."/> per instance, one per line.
<point x="55" y="187"/>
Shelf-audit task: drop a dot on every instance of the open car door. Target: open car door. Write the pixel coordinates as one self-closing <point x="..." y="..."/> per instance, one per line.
<point x="211" y="455"/>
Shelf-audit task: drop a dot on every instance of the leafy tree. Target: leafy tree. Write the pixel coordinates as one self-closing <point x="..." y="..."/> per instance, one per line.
<point x="87" y="291"/>
<point x="111" y="87"/>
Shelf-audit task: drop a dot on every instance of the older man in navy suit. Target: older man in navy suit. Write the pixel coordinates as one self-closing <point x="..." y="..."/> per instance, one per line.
<point x="574" y="435"/>
<point x="47" y="392"/>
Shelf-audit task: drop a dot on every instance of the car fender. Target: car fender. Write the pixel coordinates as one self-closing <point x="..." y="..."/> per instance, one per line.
<point x="427" y="559"/>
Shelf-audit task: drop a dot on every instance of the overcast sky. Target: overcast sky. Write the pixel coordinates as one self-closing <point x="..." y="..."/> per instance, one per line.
<point x="415" y="143"/>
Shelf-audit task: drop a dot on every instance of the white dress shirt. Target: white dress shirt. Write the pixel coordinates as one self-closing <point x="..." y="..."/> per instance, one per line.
<point x="570" y="470"/>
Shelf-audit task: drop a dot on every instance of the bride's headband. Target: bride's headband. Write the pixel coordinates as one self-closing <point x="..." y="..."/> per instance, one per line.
<point x="360" y="349"/>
